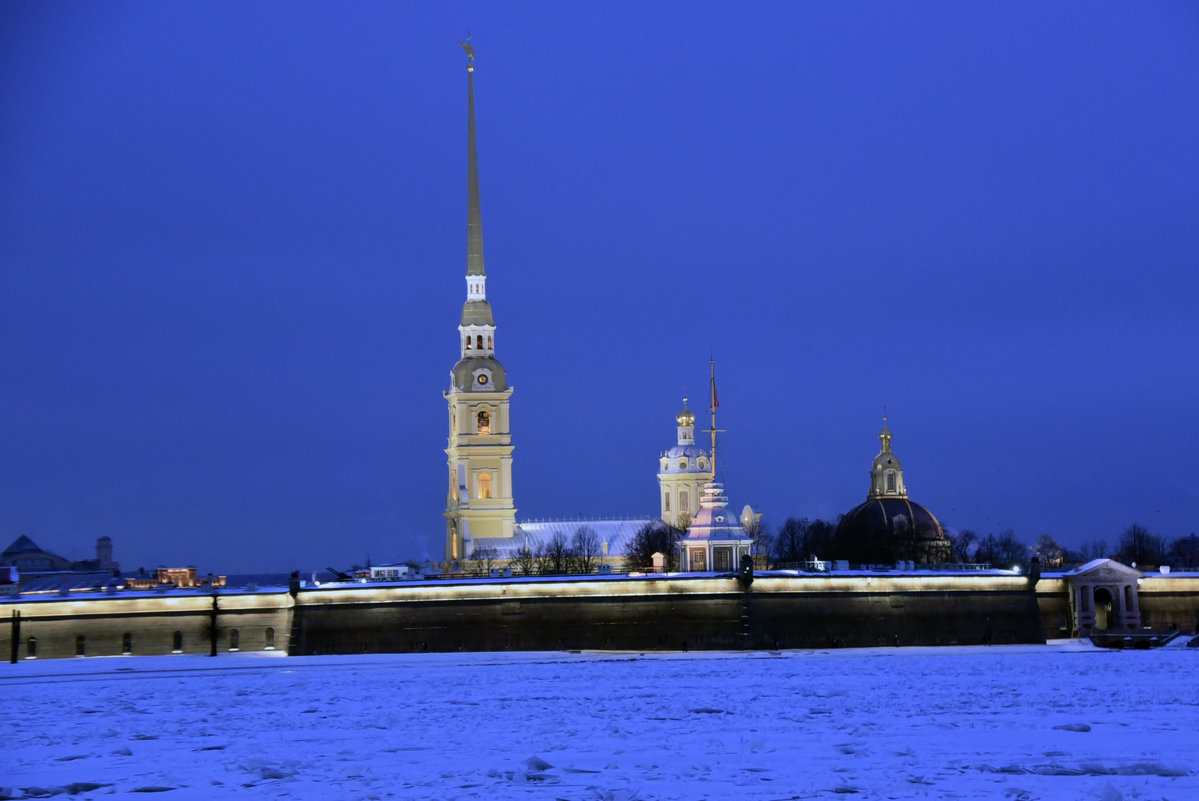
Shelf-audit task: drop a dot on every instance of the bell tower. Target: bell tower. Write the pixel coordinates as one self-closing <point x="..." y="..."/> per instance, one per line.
<point x="479" y="504"/>
<point x="682" y="473"/>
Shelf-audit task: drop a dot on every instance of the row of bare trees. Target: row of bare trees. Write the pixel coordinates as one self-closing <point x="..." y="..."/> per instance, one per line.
<point x="581" y="553"/>
<point x="801" y="539"/>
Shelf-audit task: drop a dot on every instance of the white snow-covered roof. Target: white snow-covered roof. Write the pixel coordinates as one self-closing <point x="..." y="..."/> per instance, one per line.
<point x="1097" y="563"/>
<point x="532" y="534"/>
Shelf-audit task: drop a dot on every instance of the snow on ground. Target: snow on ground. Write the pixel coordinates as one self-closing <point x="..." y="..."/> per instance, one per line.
<point x="1064" y="721"/>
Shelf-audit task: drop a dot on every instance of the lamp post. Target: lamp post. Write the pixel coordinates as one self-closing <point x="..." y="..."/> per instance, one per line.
<point x="212" y="614"/>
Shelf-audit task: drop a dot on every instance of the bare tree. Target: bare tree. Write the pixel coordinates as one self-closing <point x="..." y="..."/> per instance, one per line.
<point x="488" y="559"/>
<point x="789" y="544"/>
<point x="962" y="545"/>
<point x="585" y="549"/>
<point x="1050" y="553"/>
<point x="1094" y="549"/>
<point x="524" y="563"/>
<point x="653" y="537"/>
<point x="818" y="540"/>
<point x="1139" y="547"/>
<point x="763" y="543"/>
<point x="555" y="554"/>
<point x="1184" y="551"/>
<point x="1002" y="550"/>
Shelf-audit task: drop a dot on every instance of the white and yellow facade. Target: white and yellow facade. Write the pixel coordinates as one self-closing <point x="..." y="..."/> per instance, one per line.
<point x="682" y="473"/>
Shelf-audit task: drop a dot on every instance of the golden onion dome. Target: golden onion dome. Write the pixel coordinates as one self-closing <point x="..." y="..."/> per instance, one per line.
<point x="685" y="417"/>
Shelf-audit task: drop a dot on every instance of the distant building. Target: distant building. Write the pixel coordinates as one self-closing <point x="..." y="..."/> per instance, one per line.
<point x="25" y="555"/>
<point x="394" y="572"/>
<point x="182" y="577"/>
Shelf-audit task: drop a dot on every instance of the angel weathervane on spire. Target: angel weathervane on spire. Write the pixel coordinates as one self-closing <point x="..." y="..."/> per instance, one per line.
<point x="470" y="53"/>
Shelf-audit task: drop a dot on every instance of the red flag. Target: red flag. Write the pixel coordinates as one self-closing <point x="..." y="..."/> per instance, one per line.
<point x="715" y="400"/>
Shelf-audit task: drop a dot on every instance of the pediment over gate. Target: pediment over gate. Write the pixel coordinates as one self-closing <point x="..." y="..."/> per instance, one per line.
<point x="1105" y="570"/>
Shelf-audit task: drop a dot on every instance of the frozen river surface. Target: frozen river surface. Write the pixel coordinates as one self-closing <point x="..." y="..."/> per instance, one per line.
<point x="1063" y="721"/>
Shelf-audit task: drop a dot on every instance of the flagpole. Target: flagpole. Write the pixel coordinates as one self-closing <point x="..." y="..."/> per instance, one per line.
<point x="712" y="408"/>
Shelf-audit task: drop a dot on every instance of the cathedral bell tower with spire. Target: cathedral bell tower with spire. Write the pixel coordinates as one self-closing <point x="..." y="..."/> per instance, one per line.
<point x="479" y="504"/>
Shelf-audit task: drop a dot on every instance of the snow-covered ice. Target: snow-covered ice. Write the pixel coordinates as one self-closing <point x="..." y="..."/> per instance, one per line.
<point x="1064" y="721"/>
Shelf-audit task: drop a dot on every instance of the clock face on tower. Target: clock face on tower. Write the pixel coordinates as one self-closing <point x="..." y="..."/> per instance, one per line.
<point x="482" y="379"/>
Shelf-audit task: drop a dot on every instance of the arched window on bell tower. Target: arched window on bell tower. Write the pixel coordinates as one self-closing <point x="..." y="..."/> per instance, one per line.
<point x="484" y="423"/>
<point x="479" y="342"/>
<point x="484" y="485"/>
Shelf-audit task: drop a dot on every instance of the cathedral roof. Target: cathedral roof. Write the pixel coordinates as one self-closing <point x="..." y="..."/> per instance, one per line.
<point x="714" y="520"/>
<point x="21" y="544"/>
<point x="881" y="516"/>
<point x="465" y="372"/>
<point x="883" y="530"/>
<point x="692" y="451"/>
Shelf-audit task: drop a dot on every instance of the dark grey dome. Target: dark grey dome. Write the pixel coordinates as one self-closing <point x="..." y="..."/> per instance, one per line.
<point x="884" y="530"/>
<point x="477" y="312"/>
<point x="465" y="375"/>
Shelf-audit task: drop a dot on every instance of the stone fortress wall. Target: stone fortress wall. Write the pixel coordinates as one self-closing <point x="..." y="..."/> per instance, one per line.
<point x="642" y="613"/>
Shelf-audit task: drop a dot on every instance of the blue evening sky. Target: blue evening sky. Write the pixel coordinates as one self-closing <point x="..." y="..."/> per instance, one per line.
<point x="233" y="241"/>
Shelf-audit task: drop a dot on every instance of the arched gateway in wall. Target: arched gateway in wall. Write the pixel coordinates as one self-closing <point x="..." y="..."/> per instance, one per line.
<point x="1104" y="596"/>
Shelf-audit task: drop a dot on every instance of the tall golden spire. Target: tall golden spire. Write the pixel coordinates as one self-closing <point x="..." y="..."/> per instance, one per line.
<point x="474" y="225"/>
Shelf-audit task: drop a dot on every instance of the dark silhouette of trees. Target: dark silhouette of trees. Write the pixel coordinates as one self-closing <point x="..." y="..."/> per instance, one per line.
<point x="819" y="539"/>
<point x="1094" y="549"/>
<point x="803" y="539"/>
<point x="553" y="554"/>
<point x="1049" y="552"/>
<point x="524" y="563"/>
<point x="654" y="537"/>
<point x="789" y="542"/>
<point x="487" y="558"/>
<point x="1139" y="548"/>
<point x="585" y="550"/>
<point x="763" y="542"/>
<point x="1184" y="552"/>
<point x="1003" y="550"/>
<point x="961" y="545"/>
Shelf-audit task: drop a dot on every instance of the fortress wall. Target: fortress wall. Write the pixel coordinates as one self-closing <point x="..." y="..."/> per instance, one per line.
<point x="642" y="614"/>
<point x="675" y="614"/>
<point x="151" y="620"/>
<point x="1053" y="604"/>
<point x="1170" y="601"/>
